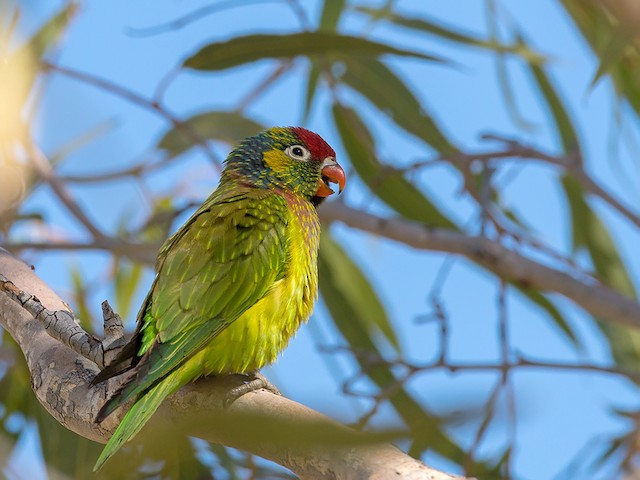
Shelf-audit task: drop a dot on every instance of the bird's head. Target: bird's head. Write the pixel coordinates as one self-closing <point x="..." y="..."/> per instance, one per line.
<point x="290" y="159"/>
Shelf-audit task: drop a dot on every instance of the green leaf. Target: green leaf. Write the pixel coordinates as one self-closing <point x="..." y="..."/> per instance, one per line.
<point x="81" y="309"/>
<point x="18" y="71"/>
<point x="312" y="84"/>
<point x="357" y="290"/>
<point x="241" y="50"/>
<point x="229" y="127"/>
<point x="612" y="54"/>
<point x="49" y="33"/>
<point x="127" y="277"/>
<point x="591" y="233"/>
<point x="544" y="302"/>
<point x="331" y="12"/>
<point x="374" y="80"/>
<point x="600" y="26"/>
<point x="63" y="450"/>
<point x="425" y="427"/>
<point x="563" y="125"/>
<point x="412" y="22"/>
<point x="388" y="184"/>
<point x="588" y="231"/>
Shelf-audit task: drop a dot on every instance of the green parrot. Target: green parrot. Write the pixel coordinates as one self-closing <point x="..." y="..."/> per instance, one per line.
<point x="235" y="282"/>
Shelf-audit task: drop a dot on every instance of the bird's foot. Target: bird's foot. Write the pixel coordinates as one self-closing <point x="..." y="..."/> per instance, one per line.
<point x="252" y="381"/>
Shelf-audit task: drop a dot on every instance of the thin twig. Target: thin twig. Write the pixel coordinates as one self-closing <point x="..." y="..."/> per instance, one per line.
<point x="263" y="86"/>
<point x="139" y="100"/>
<point x="193" y="16"/>
<point x="598" y="299"/>
<point x="44" y="169"/>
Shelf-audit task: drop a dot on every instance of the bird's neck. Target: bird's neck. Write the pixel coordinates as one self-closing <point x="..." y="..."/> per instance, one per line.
<point x="305" y="214"/>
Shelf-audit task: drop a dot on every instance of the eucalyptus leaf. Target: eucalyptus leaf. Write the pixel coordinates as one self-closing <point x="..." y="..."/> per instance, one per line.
<point x="357" y="290"/>
<point x="605" y="33"/>
<point x="331" y="13"/>
<point x="48" y="34"/>
<point x="382" y="87"/>
<point x="127" y="278"/>
<point x="312" y="87"/>
<point x="242" y="50"/>
<point x="229" y="127"/>
<point x="452" y="34"/>
<point x="425" y="427"/>
<point x="588" y="231"/>
<point x="545" y="303"/>
<point x="389" y="185"/>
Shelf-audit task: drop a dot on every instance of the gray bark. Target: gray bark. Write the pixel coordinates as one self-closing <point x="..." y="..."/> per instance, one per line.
<point x="63" y="359"/>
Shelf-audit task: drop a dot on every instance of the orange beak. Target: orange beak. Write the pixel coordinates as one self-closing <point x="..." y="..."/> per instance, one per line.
<point x="331" y="173"/>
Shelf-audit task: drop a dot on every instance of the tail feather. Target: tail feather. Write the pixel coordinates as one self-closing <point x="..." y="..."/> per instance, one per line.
<point x="138" y="415"/>
<point x="156" y="365"/>
<point x="123" y="362"/>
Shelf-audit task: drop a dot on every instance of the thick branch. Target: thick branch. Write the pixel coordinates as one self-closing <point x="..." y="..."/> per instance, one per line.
<point x="60" y="379"/>
<point x="598" y="299"/>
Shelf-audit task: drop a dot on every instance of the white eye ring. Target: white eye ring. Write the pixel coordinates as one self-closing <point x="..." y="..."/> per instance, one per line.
<point x="298" y="152"/>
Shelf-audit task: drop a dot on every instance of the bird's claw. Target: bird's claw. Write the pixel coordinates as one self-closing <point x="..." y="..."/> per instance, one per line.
<point x="252" y="381"/>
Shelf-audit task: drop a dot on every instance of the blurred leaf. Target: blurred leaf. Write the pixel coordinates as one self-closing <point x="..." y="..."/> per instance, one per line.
<point x="18" y="71"/>
<point x="16" y="382"/>
<point x="449" y="33"/>
<point x="513" y="216"/>
<point x="157" y="226"/>
<point x="331" y="12"/>
<point x="612" y="54"/>
<point x="241" y="50"/>
<point x="502" y="69"/>
<point x="175" y="459"/>
<point x="544" y="302"/>
<point x="229" y="127"/>
<point x="48" y="34"/>
<point x="81" y="309"/>
<point x="393" y="98"/>
<point x="357" y="290"/>
<point x="312" y="84"/>
<point x="85" y="138"/>
<point x="426" y="430"/>
<point x="592" y="234"/>
<point x="600" y="26"/>
<point x="226" y="461"/>
<point x="563" y="125"/>
<point x="127" y="277"/>
<point x="62" y="449"/>
<point x="588" y="231"/>
<point x="389" y="185"/>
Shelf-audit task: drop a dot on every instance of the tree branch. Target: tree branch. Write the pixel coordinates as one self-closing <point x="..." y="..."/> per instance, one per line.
<point x="60" y="378"/>
<point x="596" y="298"/>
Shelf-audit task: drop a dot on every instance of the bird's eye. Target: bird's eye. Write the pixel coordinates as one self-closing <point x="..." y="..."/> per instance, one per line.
<point x="298" y="152"/>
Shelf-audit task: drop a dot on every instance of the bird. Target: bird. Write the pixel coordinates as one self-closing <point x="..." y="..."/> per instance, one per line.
<point x="235" y="282"/>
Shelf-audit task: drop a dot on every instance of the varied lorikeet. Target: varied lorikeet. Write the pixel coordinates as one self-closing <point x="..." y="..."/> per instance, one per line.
<point x="235" y="282"/>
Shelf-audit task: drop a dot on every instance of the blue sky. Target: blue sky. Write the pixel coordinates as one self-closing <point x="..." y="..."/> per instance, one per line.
<point x="558" y="413"/>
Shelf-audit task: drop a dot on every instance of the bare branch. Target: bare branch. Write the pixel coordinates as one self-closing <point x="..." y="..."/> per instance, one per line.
<point x="60" y="324"/>
<point x="60" y="379"/>
<point x="139" y="100"/>
<point x="43" y="167"/>
<point x="596" y="298"/>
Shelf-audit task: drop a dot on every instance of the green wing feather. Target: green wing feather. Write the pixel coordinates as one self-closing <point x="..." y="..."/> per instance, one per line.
<point x="220" y="263"/>
<point x="137" y="416"/>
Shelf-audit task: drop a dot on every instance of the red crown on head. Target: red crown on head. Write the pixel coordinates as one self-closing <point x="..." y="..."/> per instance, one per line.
<point x="314" y="142"/>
